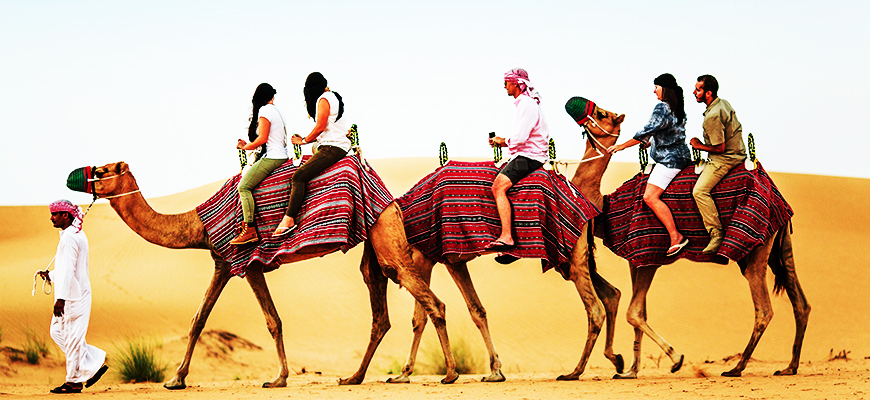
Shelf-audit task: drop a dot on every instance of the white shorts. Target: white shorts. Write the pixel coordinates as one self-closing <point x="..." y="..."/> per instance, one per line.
<point x="661" y="176"/>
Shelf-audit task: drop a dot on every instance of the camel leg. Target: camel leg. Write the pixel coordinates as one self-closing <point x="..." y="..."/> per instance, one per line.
<point x="418" y="325"/>
<point x="460" y="275"/>
<point x="404" y="264"/>
<point x="638" y="338"/>
<point x="257" y="281"/>
<point x="755" y="274"/>
<point x="218" y="283"/>
<point x="636" y="315"/>
<point x="609" y="296"/>
<point x="377" y="285"/>
<point x="595" y="314"/>
<point x="798" y="301"/>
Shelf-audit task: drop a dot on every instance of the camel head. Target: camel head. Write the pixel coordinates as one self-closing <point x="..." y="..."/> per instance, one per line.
<point x="113" y="179"/>
<point x="602" y="126"/>
<point x="602" y="129"/>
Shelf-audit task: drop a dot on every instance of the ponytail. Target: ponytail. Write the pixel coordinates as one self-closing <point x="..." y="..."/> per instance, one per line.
<point x="264" y="93"/>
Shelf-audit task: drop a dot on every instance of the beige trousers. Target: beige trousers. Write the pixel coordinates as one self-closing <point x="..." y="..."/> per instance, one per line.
<point x="711" y="175"/>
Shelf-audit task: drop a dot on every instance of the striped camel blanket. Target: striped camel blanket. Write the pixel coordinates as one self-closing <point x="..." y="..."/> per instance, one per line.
<point x="750" y="207"/>
<point x="452" y="211"/>
<point x="340" y="206"/>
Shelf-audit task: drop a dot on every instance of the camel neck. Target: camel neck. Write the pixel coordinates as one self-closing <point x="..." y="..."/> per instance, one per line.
<point x="177" y="231"/>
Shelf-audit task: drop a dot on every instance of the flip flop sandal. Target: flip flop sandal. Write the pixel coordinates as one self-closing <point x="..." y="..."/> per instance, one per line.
<point x="66" y="388"/>
<point x="498" y="245"/>
<point x="285" y="232"/>
<point x="675" y="249"/>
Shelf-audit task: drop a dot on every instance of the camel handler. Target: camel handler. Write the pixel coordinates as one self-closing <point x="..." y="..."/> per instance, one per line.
<point x="85" y="364"/>
<point x="723" y="141"/>
<point x="527" y="145"/>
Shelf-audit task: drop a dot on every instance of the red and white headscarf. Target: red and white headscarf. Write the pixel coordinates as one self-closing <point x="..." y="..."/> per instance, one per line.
<point x="73" y="210"/>
<point x="521" y="78"/>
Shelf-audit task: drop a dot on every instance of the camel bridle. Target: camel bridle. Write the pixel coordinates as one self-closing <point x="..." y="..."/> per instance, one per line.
<point x="594" y="140"/>
<point x="98" y="179"/>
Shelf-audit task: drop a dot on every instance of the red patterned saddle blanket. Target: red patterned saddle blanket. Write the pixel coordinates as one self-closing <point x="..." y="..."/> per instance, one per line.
<point x="340" y="206"/>
<point x="751" y="209"/>
<point x="452" y="211"/>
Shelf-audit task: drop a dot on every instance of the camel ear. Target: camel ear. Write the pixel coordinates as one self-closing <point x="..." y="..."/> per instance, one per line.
<point x="121" y="167"/>
<point x="619" y="119"/>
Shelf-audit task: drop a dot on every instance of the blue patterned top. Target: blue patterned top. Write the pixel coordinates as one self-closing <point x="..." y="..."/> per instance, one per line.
<point x="668" y="138"/>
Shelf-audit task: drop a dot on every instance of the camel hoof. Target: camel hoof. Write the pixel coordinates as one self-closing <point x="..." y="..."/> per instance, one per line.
<point x="494" y="377"/>
<point x="450" y="378"/>
<point x="349" y="381"/>
<point x="785" y="372"/>
<point x="678" y="365"/>
<point x="734" y="373"/>
<point x="570" y="377"/>
<point x="619" y="363"/>
<point x="276" y="383"/>
<point x="627" y="375"/>
<point x="399" y="379"/>
<point x="173" y="385"/>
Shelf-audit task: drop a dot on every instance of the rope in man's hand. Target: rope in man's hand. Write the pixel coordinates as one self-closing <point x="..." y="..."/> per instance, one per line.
<point x="44" y="275"/>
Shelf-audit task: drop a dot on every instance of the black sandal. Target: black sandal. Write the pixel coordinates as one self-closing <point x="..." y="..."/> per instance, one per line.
<point x="97" y="376"/>
<point x="66" y="388"/>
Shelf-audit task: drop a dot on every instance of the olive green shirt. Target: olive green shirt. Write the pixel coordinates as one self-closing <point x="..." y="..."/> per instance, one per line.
<point x="721" y="126"/>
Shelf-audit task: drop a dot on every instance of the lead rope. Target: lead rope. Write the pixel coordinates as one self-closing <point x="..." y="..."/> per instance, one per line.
<point x="44" y="281"/>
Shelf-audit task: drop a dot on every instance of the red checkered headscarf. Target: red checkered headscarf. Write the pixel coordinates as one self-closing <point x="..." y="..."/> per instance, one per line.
<point x="521" y="78"/>
<point x="73" y="210"/>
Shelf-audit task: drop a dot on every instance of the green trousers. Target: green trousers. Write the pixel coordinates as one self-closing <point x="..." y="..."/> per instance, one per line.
<point x="259" y="171"/>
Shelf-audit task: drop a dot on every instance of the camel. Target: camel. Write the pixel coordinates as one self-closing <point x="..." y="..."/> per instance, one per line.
<point x="603" y="130"/>
<point x="776" y="251"/>
<point x="600" y="299"/>
<point x="387" y="254"/>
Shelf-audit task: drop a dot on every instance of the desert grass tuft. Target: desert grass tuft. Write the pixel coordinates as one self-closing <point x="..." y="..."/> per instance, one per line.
<point x="34" y="347"/>
<point x="467" y="361"/>
<point x="138" y="362"/>
<point x="395" y="367"/>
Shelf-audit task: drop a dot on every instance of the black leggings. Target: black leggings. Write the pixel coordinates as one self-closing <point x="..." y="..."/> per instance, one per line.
<point x="326" y="157"/>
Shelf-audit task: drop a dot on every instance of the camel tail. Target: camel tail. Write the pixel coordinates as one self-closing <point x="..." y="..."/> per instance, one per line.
<point x="780" y="254"/>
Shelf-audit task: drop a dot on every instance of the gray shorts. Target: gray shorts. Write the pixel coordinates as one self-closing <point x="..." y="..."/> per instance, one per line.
<point x="519" y="167"/>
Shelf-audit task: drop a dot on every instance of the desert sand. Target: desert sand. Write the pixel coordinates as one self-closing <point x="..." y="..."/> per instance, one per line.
<point x="537" y="320"/>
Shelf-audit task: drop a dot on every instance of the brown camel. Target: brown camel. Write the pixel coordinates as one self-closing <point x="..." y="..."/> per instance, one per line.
<point x="599" y="297"/>
<point x="386" y="254"/>
<point x="776" y="251"/>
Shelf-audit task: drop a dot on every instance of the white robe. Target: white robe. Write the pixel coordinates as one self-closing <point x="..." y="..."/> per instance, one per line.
<point x="72" y="284"/>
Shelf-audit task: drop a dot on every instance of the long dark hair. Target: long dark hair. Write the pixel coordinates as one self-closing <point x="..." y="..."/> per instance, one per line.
<point x="262" y="95"/>
<point x="674" y="98"/>
<point x="672" y="94"/>
<point x="315" y="85"/>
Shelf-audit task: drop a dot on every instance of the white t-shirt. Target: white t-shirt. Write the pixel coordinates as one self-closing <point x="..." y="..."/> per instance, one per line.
<point x="335" y="133"/>
<point x="276" y="144"/>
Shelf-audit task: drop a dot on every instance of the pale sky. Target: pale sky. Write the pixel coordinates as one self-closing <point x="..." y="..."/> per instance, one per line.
<point x="166" y="85"/>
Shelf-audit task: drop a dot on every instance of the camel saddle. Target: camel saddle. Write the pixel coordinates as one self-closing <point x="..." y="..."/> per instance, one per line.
<point x="341" y="205"/>
<point x="452" y="211"/>
<point x="751" y="209"/>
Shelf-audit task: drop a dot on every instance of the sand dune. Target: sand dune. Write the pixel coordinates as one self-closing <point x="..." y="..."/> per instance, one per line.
<point x="537" y="320"/>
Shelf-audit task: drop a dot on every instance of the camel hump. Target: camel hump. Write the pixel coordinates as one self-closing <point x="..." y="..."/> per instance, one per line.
<point x="750" y="206"/>
<point x="452" y="212"/>
<point x="341" y="204"/>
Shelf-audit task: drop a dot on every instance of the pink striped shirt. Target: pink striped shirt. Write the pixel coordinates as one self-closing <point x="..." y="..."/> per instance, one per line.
<point x="531" y="135"/>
